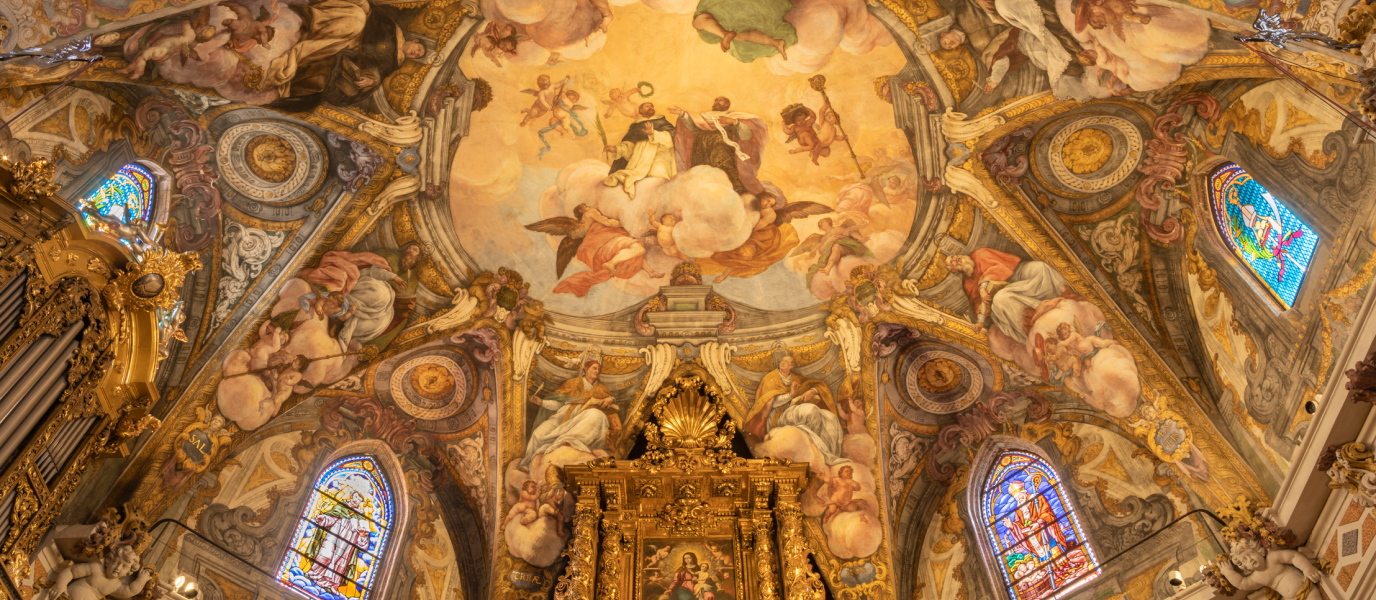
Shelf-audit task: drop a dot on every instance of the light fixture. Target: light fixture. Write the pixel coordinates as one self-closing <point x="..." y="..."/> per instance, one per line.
<point x="1176" y="579"/>
<point x="177" y="585"/>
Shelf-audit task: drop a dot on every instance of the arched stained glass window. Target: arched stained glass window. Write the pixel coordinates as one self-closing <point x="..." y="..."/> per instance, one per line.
<point x="336" y="552"/>
<point x="1039" y="543"/>
<point x="1275" y="244"/>
<point x="127" y="195"/>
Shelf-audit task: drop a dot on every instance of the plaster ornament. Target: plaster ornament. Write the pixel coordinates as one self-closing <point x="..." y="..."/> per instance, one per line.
<point x="1352" y="468"/>
<point x="1285" y="572"/>
<point x="117" y="575"/>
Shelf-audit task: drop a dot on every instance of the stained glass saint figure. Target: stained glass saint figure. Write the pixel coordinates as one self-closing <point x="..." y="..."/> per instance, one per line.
<point x="1039" y="543"/>
<point x="122" y="207"/>
<point x="1276" y="245"/>
<point x="336" y="551"/>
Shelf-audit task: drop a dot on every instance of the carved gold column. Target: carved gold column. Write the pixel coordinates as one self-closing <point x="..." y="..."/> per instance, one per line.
<point x="577" y="581"/>
<point x="609" y="576"/>
<point x="800" y="581"/>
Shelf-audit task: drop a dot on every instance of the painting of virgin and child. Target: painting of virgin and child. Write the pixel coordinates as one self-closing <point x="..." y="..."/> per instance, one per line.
<point x="679" y="570"/>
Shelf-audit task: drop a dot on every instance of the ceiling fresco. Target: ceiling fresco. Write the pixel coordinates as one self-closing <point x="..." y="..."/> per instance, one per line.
<point x="474" y="238"/>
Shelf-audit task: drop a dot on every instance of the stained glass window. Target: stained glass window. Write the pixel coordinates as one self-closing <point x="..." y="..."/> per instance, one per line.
<point x="1274" y="243"/>
<point x="336" y="552"/>
<point x="1039" y="543"/>
<point x="127" y="195"/>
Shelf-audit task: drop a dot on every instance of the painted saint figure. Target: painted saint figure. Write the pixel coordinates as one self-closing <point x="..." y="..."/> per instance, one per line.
<point x="685" y="579"/>
<point x="652" y="156"/>
<point x="729" y="140"/>
<point x="1002" y="288"/>
<point x="786" y="399"/>
<point x="583" y="416"/>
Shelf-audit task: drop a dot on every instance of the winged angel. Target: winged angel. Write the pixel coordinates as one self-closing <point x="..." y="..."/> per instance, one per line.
<point x="610" y="251"/>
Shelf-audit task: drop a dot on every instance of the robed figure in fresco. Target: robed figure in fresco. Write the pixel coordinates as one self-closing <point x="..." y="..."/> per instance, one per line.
<point x="1003" y="288"/>
<point x="729" y="140"/>
<point x="787" y="399"/>
<point x="342" y="531"/>
<point x="579" y="414"/>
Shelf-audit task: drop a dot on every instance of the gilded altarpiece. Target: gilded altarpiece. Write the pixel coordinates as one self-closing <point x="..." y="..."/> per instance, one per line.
<point x="689" y="519"/>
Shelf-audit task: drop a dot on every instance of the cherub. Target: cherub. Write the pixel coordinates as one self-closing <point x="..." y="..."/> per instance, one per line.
<point x="109" y="577"/>
<point x="498" y="40"/>
<point x="1108" y="13"/>
<point x="1080" y="346"/>
<point x="546" y="94"/>
<point x="895" y="190"/>
<point x="554" y="507"/>
<point x="664" y="234"/>
<point x="621" y="102"/>
<point x="246" y="31"/>
<point x="528" y="506"/>
<point x="179" y="39"/>
<point x="815" y="138"/>
<point x="573" y="229"/>
<point x="1287" y="572"/>
<point x="561" y="116"/>
<point x="842" y="497"/>
<point x="1059" y="356"/>
<point x="855" y="414"/>
<point x="832" y="244"/>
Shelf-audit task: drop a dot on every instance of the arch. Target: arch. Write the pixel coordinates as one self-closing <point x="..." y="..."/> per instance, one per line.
<point x="1262" y="233"/>
<point x="340" y="548"/>
<point x="1028" y="529"/>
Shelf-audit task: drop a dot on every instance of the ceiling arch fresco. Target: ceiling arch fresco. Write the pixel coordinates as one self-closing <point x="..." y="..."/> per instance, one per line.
<point x="477" y="237"/>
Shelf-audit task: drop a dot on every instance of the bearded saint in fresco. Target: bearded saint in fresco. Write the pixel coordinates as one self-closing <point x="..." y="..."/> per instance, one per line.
<point x="1002" y="288"/>
<point x="580" y="415"/>
<point x="729" y="140"/>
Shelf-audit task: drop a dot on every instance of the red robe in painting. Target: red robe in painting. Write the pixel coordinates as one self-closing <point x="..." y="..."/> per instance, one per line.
<point x="1037" y="522"/>
<point x="609" y="252"/>
<point x="990" y="265"/>
<point x="339" y="270"/>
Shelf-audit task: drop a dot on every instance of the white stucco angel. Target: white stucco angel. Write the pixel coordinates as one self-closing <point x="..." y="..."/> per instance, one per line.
<point x="117" y="574"/>
<point x="1287" y="572"/>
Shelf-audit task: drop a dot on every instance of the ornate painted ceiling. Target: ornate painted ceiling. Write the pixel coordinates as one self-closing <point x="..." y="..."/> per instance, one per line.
<point x="427" y="226"/>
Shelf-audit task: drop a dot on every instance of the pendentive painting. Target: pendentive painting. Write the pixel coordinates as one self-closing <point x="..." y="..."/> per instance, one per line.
<point x="673" y="569"/>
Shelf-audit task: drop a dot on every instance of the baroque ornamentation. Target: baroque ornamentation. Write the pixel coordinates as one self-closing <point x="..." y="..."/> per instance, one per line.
<point x="1351" y="467"/>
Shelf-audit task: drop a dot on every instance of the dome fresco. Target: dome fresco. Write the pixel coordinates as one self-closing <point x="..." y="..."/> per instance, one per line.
<point x="464" y="244"/>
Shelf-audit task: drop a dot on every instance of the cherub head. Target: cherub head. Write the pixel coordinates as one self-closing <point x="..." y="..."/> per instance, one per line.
<point x="542" y="81"/>
<point x="206" y="33"/>
<point x="1248" y="555"/>
<point x="1087" y="58"/>
<point x="413" y="49"/>
<point x="617" y="94"/>
<point x="894" y="181"/>
<point x="951" y="39"/>
<point x="120" y="561"/>
<point x="668" y="220"/>
<point x="825" y="224"/>
<point x="1064" y="330"/>
<point x="572" y="95"/>
<point x="846" y="472"/>
<point x="580" y="210"/>
<point x="766" y="200"/>
<point x="530" y="487"/>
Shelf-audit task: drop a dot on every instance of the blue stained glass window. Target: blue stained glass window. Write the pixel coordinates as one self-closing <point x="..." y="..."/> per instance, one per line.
<point x="127" y="195"/>
<point x="336" y="552"/>
<point x="1039" y="543"/>
<point x="1274" y="243"/>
